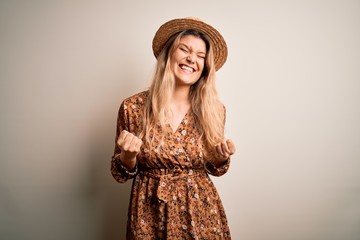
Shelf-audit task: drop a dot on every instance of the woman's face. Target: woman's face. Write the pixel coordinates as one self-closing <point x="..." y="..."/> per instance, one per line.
<point x="188" y="59"/>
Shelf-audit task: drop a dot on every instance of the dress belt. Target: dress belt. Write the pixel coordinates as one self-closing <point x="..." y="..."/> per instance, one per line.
<point x="168" y="177"/>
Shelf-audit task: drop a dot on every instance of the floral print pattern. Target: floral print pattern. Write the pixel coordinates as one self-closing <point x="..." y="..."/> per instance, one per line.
<point x="172" y="195"/>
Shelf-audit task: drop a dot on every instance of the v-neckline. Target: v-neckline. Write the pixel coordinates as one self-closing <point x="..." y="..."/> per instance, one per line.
<point x="181" y="122"/>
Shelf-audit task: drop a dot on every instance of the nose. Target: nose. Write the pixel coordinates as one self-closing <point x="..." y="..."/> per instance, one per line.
<point x="190" y="58"/>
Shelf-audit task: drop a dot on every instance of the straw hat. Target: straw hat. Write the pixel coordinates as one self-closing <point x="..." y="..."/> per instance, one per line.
<point x="177" y="25"/>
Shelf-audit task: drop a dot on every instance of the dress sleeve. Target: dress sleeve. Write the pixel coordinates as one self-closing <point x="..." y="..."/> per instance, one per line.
<point x="217" y="171"/>
<point x="118" y="170"/>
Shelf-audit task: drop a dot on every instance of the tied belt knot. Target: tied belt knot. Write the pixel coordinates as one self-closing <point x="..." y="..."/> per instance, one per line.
<point x="168" y="178"/>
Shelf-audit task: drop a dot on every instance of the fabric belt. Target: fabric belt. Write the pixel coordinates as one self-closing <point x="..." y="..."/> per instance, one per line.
<point x="169" y="177"/>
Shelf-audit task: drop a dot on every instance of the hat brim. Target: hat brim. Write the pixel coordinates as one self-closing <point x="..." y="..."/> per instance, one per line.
<point x="174" y="26"/>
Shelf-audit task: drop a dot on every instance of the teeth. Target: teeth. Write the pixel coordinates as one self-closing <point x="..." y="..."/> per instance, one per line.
<point x="184" y="67"/>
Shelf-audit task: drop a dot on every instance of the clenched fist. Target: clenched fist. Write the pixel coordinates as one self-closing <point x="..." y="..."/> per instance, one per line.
<point x="130" y="148"/>
<point x="223" y="151"/>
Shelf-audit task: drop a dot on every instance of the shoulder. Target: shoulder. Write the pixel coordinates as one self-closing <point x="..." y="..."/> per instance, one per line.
<point x="134" y="104"/>
<point x="137" y="100"/>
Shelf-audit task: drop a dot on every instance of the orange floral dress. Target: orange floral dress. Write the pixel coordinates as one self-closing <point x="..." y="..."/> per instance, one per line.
<point x="172" y="195"/>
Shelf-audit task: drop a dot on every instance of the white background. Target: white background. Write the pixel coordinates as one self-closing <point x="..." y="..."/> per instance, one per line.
<point x="291" y="85"/>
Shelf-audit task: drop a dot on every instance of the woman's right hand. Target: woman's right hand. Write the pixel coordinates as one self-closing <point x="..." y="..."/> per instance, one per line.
<point x="130" y="148"/>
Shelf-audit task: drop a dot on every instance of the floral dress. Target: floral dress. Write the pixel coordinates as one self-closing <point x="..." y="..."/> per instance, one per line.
<point x="172" y="195"/>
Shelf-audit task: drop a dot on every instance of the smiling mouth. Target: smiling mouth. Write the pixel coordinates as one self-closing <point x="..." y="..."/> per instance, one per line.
<point x="187" y="68"/>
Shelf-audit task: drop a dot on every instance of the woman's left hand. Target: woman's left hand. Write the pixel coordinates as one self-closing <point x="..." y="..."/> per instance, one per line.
<point x="224" y="150"/>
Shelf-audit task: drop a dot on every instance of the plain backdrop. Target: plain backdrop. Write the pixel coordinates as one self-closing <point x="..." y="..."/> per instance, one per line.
<point x="291" y="85"/>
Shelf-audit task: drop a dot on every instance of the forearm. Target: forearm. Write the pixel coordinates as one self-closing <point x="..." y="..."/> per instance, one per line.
<point x="129" y="163"/>
<point x="220" y="162"/>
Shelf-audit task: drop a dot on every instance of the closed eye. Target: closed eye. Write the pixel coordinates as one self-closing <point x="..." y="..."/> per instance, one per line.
<point x="184" y="49"/>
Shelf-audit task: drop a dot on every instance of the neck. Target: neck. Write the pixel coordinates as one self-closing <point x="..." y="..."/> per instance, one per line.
<point x="181" y="95"/>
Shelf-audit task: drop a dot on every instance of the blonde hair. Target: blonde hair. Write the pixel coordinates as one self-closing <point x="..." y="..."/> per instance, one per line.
<point x="208" y="110"/>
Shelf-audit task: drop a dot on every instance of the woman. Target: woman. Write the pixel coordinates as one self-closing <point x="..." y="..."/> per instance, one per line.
<point x="171" y="137"/>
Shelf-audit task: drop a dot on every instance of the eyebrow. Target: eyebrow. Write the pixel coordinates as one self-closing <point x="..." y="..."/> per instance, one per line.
<point x="199" y="52"/>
